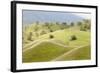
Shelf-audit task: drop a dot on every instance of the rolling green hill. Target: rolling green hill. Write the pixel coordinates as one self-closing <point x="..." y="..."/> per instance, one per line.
<point x="83" y="37"/>
<point x="49" y="42"/>
<point x="81" y="53"/>
<point x="45" y="51"/>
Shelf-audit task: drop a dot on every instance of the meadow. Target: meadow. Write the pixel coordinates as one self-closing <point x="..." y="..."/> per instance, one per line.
<point x="56" y="41"/>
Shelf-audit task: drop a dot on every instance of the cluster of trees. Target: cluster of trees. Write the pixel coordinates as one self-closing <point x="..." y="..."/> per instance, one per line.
<point x="84" y="25"/>
<point x="51" y="27"/>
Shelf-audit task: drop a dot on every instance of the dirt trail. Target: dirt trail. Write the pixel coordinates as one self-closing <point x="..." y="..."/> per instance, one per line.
<point x="37" y="42"/>
<point x="30" y="44"/>
<point x="67" y="53"/>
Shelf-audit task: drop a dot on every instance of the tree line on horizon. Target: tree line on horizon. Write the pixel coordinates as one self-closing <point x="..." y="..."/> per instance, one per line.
<point x="83" y="25"/>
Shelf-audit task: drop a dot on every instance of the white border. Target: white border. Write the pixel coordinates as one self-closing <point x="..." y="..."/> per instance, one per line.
<point x="21" y="65"/>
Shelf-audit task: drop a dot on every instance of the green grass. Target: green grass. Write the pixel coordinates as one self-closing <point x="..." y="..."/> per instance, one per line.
<point x="47" y="51"/>
<point x="83" y="37"/>
<point x="44" y="52"/>
<point x="83" y="53"/>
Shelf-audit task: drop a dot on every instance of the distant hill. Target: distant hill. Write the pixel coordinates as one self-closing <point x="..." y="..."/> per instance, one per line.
<point x="48" y="16"/>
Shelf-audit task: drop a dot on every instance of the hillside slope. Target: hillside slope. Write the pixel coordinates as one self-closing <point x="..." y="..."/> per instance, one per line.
<point x="44" y="51"/>
<point x="81" y="53"/>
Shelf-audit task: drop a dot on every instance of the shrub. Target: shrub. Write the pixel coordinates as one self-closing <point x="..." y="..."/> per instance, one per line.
<point x="83" y="27"/>
<point x="51" y="36"/>
<point x="51" y="30"/>
<point x="30" y="36"/>
<point x="79" y="23"/>
<point x="43" y="32"/>
<point x="73" y="37"/>
<point x="71" y="24"/>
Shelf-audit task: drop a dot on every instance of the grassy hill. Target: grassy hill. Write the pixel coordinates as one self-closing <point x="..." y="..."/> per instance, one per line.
<point x="83" y="37"/>
<point x="82" y="53"/>
<point x="47" y="42"/>
<point x="45" y="51"/>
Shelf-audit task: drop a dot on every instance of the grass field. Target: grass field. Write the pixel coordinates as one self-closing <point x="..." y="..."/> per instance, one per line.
<point x="41" y="53"/>
<point x="42" y="43"/>
<point x="81" y="53"/>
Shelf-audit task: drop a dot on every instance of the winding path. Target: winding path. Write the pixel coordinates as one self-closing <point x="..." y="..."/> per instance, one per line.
<point x="67" y="53"/>
<point x="37" y="42"/>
